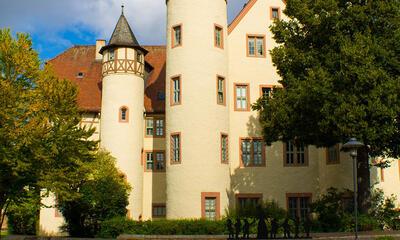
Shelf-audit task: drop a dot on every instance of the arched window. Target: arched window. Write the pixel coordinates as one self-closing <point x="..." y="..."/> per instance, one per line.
<point x="124" y="114"/>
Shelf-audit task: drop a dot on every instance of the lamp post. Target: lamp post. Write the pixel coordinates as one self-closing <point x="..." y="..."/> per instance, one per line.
<point x="351" y="146"/>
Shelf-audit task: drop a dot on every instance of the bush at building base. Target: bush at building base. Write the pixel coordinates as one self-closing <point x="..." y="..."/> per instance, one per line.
<point x="334" y="212"/>
<point x="23" y="216"/>
<point x="121" y="225"/>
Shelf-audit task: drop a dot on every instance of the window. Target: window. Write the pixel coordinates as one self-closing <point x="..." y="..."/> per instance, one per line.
<point x="256" y="46"/>
<point x="176" y="91"/>
<point x="242" y="97"/>
<point x="149" y="161"/>
<point x="218" y="37"/>
<point x="224" y="148"/>
<point x="210" y="205"/>
<point x="149" y="127"/>
<point x="333" y="154"/>
<point x="252" y="152"/>
<point x="139" y="57"/>
<point x="298" y="205"/>
<point x="175" y="148"/>
<point x="123" y="114"/>
<point x="266" y="92"/>
<point x="295" y="154"/>
<point x="155" y="161"/>
<point x="221" y="90"/>
<point x="275" y="13"/>
<point x="111" y="55"/>
<point x="159" y="210"/>
<point x="159" y="127"/>
<point x="154" y="127"/>
<point x="251" y="200"/>
<point x="177" y="36"/>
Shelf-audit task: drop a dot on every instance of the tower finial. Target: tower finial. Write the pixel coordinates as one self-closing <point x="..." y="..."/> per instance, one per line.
<point x="122" y="9"/>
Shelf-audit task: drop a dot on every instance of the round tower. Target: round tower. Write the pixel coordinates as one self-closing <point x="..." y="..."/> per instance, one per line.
<point x="122" y="107"/>
<point x="198" y="177"/>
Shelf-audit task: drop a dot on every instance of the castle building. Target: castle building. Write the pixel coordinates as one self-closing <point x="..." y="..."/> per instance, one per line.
<point x="178" y="117"/>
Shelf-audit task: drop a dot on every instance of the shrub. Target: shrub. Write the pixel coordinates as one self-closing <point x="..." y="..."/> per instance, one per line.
<point x="116" y="226"/>
<point x="23" y="216"/>
<point x="334" y="212"/>
<point x="385" y="238"/>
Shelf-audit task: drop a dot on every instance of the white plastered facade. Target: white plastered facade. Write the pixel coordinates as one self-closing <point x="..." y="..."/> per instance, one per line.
<point x="201" y="121"/>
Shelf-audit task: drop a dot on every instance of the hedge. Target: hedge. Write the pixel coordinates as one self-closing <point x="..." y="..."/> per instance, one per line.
<point x="116" y="226"/>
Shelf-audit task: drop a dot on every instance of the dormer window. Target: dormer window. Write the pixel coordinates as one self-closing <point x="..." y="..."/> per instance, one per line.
<point x="80" y="75"/>
<point x="111" y="55"/>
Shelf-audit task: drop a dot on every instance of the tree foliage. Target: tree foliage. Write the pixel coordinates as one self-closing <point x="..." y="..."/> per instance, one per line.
<point x="103" y="194"/>
<point x="41" y="142"/>
<point x="340" y="62"/>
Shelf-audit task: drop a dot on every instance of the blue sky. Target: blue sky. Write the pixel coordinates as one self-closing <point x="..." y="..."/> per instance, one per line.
<point x="55" y="25"/>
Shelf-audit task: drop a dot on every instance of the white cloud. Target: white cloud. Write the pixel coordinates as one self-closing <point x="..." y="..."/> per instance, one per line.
<point x="49" y="18"/>
<point x="147" y="17"/>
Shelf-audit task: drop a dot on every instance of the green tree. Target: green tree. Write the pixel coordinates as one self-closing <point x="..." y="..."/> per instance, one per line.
<point x="103" y="194"/>
<point x="339" y="61"/>
<point x="41" y="142"/>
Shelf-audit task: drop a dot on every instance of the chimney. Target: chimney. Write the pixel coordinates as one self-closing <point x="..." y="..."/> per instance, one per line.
<point x="99" y="44"/>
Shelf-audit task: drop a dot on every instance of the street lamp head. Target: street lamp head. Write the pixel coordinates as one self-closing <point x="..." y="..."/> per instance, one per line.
<point x="351" y="146"/>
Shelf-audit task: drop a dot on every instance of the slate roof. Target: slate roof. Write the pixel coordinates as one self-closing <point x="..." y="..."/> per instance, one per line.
<point x="123" y="36"/>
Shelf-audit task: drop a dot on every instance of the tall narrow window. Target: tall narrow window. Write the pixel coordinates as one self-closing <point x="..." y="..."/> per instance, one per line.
<point x="252" y="152"/>
<point x="175" y="148"/>
<point x="275" y="13"/>
<point x="221" y="90"/>
<point x="160" y="161"/>
<point x="256" y="46"/>
<point x="149" y="127"/>
<point x="332" y="154"/>
<point x="210" y="205"/>
<point x="242" y="97"/>
<point x="224" y="148"/>
<point x="295" y="154"/>
<point x="159" y="127"/>
<point x="210" y="208"/>
<point x="123" y="114"/>
<point x="176" y="91"/>
<point x="177" y="36"/>
<point x="149" y="161"/>
<point x="111" y="55"/>
<point x="218" y="36"/>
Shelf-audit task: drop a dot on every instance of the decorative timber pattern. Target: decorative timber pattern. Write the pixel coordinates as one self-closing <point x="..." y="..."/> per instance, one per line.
<point x="123" y="66"/>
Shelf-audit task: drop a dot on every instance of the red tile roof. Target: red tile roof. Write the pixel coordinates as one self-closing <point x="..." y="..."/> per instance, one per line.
<point x="82" y="59"/>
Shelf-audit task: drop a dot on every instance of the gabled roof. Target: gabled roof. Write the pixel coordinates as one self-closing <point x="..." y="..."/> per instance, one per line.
<point x="241" y="15"/>
<point x="123" y="36"/>
<point x="81" y="59"/>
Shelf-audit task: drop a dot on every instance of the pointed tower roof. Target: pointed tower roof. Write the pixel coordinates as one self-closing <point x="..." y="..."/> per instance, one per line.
<point x="123" y="36"/>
